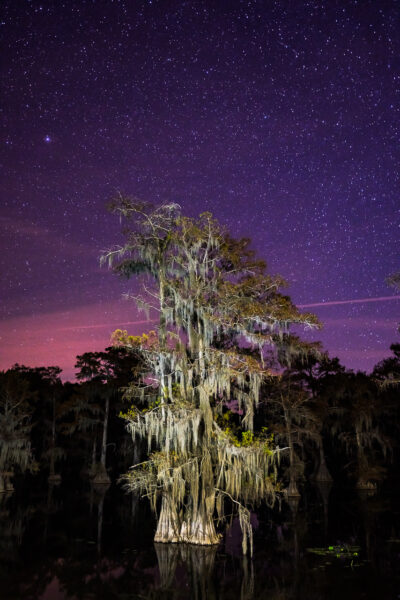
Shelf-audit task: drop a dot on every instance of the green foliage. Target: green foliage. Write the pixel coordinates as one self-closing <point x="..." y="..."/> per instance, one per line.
<point x="342" y="552"/>
<point x="130" y="414"/>
<point x="338" y="551"/>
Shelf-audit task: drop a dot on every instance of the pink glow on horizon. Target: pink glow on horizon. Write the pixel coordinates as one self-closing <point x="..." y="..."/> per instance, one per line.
<point x="56" y="338"/>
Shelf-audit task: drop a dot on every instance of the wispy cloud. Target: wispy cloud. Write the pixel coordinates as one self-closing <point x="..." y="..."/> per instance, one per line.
<point x="352" y="301"/>
<point x="113" y="325"/>
<point x="44" y="235"/>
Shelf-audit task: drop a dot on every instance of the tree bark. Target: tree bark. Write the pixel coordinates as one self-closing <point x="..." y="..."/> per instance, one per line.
<point x="323" y="472"/>
<point x="102" y="477"/>
<point x="105" y="428"/>
<point x="198" y="526"/>
<point x="363" y="483"/>
<point x="93" y="466"/>
<point x="168" y="527"/>
<point x="53" y="478"/>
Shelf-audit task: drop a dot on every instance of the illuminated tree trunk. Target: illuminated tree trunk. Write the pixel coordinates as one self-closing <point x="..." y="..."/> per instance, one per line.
<point x="168" y="526"/>
<point x="198" y="526"/>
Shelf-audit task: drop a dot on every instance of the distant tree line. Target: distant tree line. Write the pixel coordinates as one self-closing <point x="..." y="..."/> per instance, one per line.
<point x="48" y="427"/>
<point x="337" y="423"/>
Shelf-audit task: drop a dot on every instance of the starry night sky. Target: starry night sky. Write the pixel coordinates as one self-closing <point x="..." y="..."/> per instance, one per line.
<point x="280" y="117"/>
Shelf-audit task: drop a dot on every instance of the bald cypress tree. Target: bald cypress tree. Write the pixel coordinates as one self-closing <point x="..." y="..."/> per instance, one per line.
<point x="206" y="287"/>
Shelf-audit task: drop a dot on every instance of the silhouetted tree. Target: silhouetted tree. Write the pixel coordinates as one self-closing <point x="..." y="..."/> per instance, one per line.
<point x="46" y="388"/>
<point x="104" y="374"/>
<point x="15" y="426"/>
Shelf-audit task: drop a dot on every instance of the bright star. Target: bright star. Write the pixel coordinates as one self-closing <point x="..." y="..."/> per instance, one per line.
<point x="47" y="139"/>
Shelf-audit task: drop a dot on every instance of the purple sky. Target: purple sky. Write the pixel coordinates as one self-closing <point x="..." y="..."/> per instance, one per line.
<point x="282" y="118"/>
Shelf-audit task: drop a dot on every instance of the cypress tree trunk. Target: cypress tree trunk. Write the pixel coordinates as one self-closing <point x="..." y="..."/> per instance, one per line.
<point x="162" y="331"/>
<point x="93" y="465"/>
<point x="6" y="484"/>
<point x="362" y="482"/>
<point x="168" y="527"/>
<point x="102" y="477"/>
<point x="198" y="526"/>
<point x="323" y="472"/>
<point x="104" y="441"/>
<point x="52" y="476"/>
<point x="53" y="440"/>
<point x="292" y="489"/>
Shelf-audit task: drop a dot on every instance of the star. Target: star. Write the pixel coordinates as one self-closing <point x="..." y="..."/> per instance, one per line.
<point x="280" y="123"/>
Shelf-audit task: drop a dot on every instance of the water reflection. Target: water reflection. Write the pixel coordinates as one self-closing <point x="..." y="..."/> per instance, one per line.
<point x="198" y="563"/>
<point x="97" y="543"/>
<point x="98" y="492"/>
<point x="324" y="489"/>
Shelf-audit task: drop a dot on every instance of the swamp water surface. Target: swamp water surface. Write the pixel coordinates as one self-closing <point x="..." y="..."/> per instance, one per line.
<point x="68" y="544"/>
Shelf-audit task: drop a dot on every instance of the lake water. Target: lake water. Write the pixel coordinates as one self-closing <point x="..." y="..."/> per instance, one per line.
<point x="75" y="542"/>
